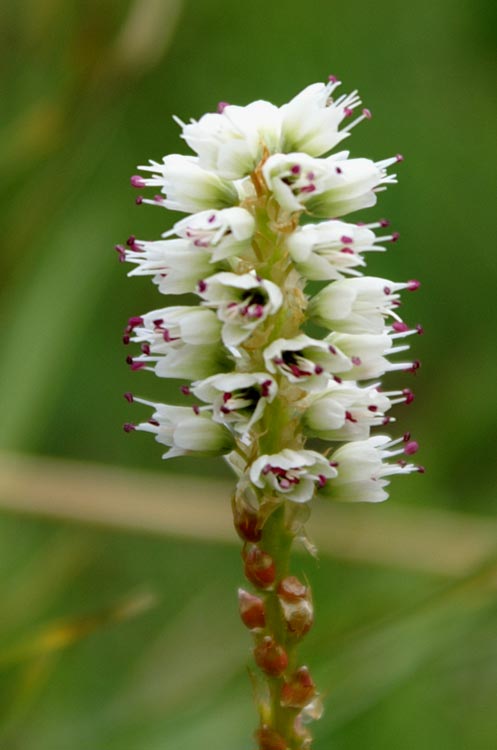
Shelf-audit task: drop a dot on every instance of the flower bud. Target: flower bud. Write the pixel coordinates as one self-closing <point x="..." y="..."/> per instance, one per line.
<point x="271" y="657"/>
<point x="269" y="739"/>
<point x="251" y="610"/>
<point x="299" y="690"/>
<point x="259" y="568"/>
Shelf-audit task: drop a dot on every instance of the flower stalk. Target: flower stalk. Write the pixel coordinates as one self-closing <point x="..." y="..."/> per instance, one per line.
<point x="263" y="386"/>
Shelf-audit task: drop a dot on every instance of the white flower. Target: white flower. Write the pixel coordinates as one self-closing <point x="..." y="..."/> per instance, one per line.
<point x="305" y="361"/>
<point x="176" y="265"/>
<point x="356" y="305"/>
<point x="325" y="187"/>
<point x="242" y="302"/>
<point x="362" y="469"/>
<point x="237" y="398"/>
<point x="331" y="249"/>
<point x="232" y="142"/>
<point x="367" y="351"/>
<point x="224" y="233"/>
<point x="187" y="186"/>
<point x="345" y="412"/>
<point x="310" y="120"/>
<point x="180" y="342"/>
<point x="186" y="433"/>
<point x="294" y="474"/>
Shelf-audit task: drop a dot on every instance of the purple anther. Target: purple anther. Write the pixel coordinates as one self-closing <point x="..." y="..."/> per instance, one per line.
<point x="129" y="427"/>
<point x="338" y="170"/>
<point x="399" y="157"/>
<point x="332" y="79"/>
<point x="411" y="448"/>
<point x="135" y="321"/>
<point x="384" y="223"/>
<point x="266" y="388"/>
<point x="202" y="286"/>
<point x="372" y="408"/>
<point x="395" y="236"/>
<point x="413" y="284"/>
<point x="346" y="240"/>
<point x="367" y="113"/>
<point x="139" y="200"/>
<point x="185" y="390"/>
<point x="347" y="111"/>
<point x="408" y="395"/>
<point x="415" y="366"/>
<point x="419" y="329"/>
<point x="295" y="169"/>
<point x="322" y="480"/>
<point x="399" y="326"/>
<point x="211" y="218"/>
<point x="221" y="107"/>
<point x="387" y="290"/>
<point x="145" y="348"/>
<point x="129" y="397"/>
<point x="318" y="370"/>
<point x="137" y="181"/>
<point x="122" y="253"/>
<point x="356" y="361"/>
<point x="196" y="409"/>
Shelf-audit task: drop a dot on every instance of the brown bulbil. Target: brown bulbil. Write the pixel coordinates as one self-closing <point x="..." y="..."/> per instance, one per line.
<point x="299" y="615"/>
<point x="247" y="523"/>
<point x="251" y="610"/>
<point x="268" y="739"/>
<point x="291" y="589"/>
<point x="271" y="657"/>
<point x="259" y="568"/>
<point x="299" y="691"/>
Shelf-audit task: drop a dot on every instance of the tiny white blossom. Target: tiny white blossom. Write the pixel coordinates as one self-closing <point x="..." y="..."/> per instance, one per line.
<point x="232" y="142"/>
<point x="310" y="120"/>
<point x="187" y="186"/>
<point x="293" y="474"/>
<point x="345" y="411"/>
<point x="242" y="301"/>
<point x="328" y="187"/>
<point x="331" y="249"/>
<point x="362" y="468"/>
<point x="224" y="233"/>
<point x="178" y="342"/>
<point x="357" y="305"/>
<point x="305" y="361"/>
<point x="176" y="265"/>
<point x="186" y="433"/>
<point x="367" y="353"/>
<point x="237" y="398"/>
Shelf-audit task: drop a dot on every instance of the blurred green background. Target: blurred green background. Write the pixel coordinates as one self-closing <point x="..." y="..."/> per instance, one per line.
<point x="115" y="637"/>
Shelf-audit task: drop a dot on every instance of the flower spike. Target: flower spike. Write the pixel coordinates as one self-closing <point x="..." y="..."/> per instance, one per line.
<point x="265" y="365"/>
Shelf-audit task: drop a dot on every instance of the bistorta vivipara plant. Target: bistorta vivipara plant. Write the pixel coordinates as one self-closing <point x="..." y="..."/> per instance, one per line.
<point x="260" y="382"/>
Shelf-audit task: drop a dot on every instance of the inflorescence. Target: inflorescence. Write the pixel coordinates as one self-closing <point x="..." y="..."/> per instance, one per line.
<point x="272" y="371"/>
